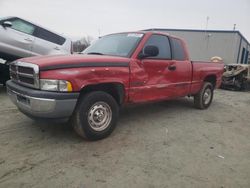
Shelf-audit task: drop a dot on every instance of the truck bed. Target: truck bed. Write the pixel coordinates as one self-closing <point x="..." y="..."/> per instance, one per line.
<point x="201" y="69"/>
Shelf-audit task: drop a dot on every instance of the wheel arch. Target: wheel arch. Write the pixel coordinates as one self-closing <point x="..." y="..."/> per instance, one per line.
<point x="212" y="79"/>
<point x="116" y="90"/>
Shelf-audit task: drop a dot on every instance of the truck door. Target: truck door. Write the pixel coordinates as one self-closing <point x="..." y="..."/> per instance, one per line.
<point x="18" y="38"/>
<point x="168" y="75"/>
<point x="151" y="81"/>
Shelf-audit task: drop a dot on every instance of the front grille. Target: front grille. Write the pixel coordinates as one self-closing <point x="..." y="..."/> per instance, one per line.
<point x="26" y="70"/>
<point x="26" y="74"/>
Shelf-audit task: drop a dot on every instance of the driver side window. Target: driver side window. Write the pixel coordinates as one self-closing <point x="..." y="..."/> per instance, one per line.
<point x="163" y="44"/>
<point x="22" y="26"/>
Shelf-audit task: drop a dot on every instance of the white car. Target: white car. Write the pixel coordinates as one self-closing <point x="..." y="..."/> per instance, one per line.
<point x="20" y="38"/>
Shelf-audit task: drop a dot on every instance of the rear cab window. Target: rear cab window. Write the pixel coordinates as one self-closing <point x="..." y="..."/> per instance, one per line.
<point x="178" y="49"/>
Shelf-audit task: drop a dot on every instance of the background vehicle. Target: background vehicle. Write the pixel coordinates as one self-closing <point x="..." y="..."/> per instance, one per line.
<point x="116" y="70"/>
<point x="236" y="77"/>
<point x="20" y="38"/>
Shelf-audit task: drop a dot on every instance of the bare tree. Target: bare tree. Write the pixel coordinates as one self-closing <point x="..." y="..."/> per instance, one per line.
<point x="82" y="44"/>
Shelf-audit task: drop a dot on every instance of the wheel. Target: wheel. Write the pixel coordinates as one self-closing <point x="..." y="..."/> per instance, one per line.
<point x="203" y="99"/>
<point x="95" y="116"/>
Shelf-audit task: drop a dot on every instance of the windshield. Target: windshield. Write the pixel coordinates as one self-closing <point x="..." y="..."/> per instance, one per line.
<point x="121" y="44"/>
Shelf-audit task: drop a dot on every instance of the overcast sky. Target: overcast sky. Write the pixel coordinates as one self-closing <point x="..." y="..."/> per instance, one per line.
<point x="76" y="18"/>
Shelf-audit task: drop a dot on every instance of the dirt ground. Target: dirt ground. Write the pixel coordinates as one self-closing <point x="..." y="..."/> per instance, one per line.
<point x="166" y="144"/>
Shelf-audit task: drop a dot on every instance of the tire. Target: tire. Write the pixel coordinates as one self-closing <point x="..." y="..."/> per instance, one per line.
<point x="95" y="116"/>
<point x="203" y="99"/>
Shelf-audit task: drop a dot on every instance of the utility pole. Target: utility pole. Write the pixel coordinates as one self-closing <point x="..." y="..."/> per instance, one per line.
<point x="206" y="34"/>
<point x="206" y="26"/>
<point x="207" y="22"/>
<point x="234" y="27"/>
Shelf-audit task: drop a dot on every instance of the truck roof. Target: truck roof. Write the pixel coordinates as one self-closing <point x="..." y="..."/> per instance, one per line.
<point x="146" y="32"/>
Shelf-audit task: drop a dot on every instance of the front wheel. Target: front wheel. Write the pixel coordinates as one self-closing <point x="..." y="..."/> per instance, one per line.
<point x="95" y="116"/>
<point x="203" y="99"/>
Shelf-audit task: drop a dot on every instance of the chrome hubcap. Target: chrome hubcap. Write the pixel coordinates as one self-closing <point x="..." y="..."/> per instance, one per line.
<point x="207" y="96"/>
<point x="99" y="116"/>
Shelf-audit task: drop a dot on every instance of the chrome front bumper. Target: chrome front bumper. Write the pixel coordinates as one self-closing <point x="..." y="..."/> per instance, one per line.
<point x="44" y="105"/>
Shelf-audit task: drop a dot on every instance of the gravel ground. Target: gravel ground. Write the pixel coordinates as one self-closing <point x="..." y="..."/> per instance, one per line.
<point x="166" y="144"/>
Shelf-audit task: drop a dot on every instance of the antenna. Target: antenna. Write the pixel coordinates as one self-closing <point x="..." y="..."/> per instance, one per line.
<point x="207" y="22"/>
<point x="99" y="33"/>
<point x="234" y="27"/>
<point x="206" y="27"/>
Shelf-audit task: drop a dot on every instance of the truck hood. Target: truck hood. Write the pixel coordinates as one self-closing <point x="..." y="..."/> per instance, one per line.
<point x="70" y="61"/>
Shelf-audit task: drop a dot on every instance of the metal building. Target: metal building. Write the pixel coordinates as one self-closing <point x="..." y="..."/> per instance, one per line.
<point x="231" y="46"/>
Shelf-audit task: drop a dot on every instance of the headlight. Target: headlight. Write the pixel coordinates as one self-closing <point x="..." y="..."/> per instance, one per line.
<point x="55" y="85"/>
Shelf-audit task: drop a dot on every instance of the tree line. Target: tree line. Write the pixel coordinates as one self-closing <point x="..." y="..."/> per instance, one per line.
<point x="82" y="44"/>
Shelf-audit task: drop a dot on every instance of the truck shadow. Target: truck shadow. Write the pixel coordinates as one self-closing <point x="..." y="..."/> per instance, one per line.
<point x="56" y="130"/>
<point x="129" y="114"/>
<point x="148" y="110"/>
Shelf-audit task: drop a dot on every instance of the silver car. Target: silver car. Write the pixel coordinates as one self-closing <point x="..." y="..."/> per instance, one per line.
<point x="20" y="38"/>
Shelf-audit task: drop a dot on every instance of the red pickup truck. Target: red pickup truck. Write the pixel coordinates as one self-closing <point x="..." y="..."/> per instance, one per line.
<point x="118" y="69"/>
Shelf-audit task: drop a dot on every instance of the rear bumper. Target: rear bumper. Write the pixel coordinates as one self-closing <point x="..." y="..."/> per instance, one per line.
<point x="42" y="104"/>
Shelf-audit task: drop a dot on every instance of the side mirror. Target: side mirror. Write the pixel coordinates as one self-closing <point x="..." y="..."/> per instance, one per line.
<point x="149" y="51"/>
<point x="7" y="24"/>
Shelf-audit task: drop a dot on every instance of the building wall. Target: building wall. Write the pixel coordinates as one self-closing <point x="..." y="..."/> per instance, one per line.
<point x="205" y="45"/>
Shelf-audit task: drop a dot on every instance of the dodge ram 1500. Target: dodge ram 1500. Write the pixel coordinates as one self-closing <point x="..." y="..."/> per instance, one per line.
<point x="118" y="69"/>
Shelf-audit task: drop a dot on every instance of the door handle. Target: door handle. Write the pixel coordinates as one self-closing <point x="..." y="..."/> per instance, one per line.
<point x="57" y="48"/>
<point x="172" y="67"/>
<point x="28" y="39"/>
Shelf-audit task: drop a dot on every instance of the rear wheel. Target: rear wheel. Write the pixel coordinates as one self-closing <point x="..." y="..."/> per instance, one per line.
<point x="203" y="99"/>
<point x="95" y="116"/>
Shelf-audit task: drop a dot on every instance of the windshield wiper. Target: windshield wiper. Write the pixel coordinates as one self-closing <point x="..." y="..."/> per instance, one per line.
<point x="95" y="53"/>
